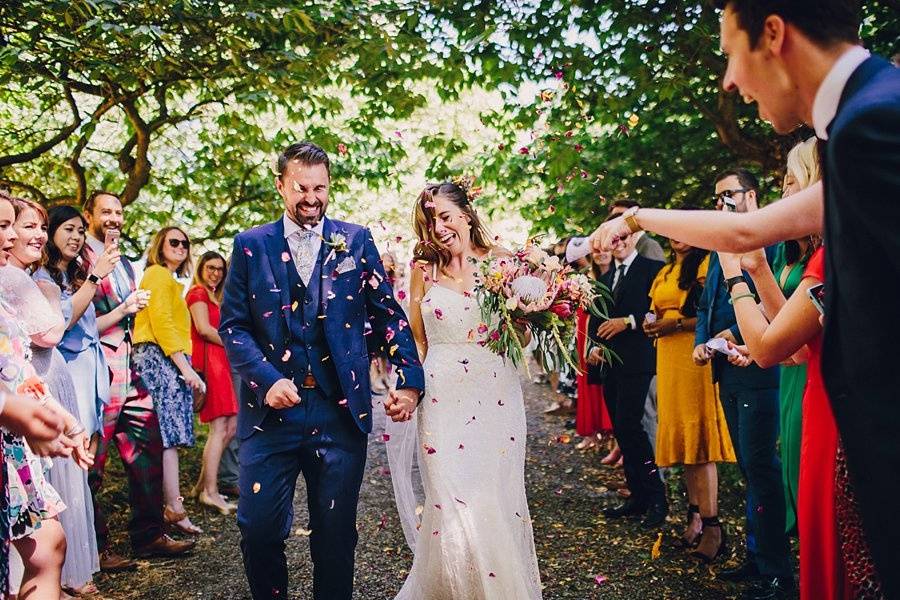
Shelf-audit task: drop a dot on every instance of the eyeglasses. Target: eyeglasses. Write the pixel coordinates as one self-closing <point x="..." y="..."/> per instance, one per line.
<point x="720" y="197"/>
<point x="214" y="268"/>
<point x="186" y="244"/>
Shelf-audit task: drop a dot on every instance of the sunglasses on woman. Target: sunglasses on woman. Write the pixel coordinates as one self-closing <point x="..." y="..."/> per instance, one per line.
<point x="186" y="244"/>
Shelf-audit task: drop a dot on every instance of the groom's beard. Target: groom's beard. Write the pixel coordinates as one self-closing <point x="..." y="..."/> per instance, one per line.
<point x="306" y="220"/>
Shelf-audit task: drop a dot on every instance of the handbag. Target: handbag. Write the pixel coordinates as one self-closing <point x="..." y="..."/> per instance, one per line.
<point x="200" y="397"/>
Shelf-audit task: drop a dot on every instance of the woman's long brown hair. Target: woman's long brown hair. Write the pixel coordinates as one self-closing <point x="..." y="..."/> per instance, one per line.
<point x="429" y="248"/>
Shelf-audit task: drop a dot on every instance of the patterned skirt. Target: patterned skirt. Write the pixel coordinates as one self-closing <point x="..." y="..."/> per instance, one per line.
<point x="31" y="497"/>
<point x="172" y="397"/>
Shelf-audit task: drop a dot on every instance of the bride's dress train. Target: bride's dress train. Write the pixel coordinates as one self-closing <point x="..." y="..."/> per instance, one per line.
<point x="475" y="539"/>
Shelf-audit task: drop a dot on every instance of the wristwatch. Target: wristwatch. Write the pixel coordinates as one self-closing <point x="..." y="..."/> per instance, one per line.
<point x="679" y="325"/>
<point x="94" y="279"/>
<point x="733" y="281"/>
<point x="632" y="223"/>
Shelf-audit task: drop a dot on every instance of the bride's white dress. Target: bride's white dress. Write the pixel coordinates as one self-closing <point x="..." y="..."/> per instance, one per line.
<point x="475" y="540"/>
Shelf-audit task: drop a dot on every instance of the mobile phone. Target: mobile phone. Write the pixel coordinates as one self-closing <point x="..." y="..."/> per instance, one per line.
<point x="817" y="296"/>
<point x="650" y="317"/>
<point x="112" y="238"/>
<point x="728" y="204"/>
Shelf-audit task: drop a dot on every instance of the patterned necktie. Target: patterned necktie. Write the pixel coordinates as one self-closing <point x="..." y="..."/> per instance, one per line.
<point x="306" y="258"/>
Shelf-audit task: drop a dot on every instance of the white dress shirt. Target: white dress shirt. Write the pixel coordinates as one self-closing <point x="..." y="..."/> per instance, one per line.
<point x="292" y="235"/>
<point x="828" y="96"/>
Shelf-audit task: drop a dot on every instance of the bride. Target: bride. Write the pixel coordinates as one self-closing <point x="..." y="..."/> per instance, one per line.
<point x="474" y="540"/>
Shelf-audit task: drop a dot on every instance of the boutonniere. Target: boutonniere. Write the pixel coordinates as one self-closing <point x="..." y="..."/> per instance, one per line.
<point x="338" y="244"/>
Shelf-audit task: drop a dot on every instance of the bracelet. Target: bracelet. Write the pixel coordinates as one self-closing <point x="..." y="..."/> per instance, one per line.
<point x="78" y="429"/>
<point x="631" y="221"/>
<point x="679" y="325"/>
<point x="739" y="296"/>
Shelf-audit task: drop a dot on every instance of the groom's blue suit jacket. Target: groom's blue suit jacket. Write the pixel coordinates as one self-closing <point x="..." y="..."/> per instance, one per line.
<point x="266" y="310"/>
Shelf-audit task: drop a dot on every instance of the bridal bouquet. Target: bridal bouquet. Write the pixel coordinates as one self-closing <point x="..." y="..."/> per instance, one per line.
<point x="531" y="287"/>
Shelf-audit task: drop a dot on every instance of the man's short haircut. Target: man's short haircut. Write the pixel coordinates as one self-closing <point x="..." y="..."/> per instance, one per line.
<point x="88" y="207"/>
<point x="826" y="22"/>
<point x="747" y="179"/>
<point x="625" y="203"/>
<point x="306" y="153"/>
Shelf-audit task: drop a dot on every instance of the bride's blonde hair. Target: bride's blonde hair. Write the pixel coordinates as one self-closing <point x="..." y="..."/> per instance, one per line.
<point x="429" y="248"/>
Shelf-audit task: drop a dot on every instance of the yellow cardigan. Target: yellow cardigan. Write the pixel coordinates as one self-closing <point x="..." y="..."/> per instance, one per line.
<point x="166" y="321"/>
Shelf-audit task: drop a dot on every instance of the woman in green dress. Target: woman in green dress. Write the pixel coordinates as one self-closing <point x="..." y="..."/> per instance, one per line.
<point x="790" y="263"/>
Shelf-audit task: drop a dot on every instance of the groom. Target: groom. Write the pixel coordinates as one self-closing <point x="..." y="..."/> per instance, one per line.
<point x="298" y="296"/>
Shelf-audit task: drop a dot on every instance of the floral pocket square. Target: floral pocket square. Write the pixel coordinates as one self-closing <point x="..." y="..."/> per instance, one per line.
<point x="348" y="264"/>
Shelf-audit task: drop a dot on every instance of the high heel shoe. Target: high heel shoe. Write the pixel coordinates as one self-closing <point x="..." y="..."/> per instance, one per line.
<point x="226" y="510"/>
<point x="688" y="540"/>
<point x="705" y="551"/>
<point x="174" y="520"/>
<point x="587" y="444"/>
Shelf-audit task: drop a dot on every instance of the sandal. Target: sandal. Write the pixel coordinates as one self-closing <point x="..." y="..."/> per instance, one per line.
<point x="175" y="520"/>
<point x="705" y="551"/>
<point x="688" y="540"/>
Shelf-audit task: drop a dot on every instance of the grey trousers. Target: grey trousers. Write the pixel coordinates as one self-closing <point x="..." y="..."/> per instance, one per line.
<point x="229" y="467"/>
<point x="650" y="421"/>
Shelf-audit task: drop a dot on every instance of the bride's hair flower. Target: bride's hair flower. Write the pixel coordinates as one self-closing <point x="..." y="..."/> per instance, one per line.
<point x="467" y="184"/>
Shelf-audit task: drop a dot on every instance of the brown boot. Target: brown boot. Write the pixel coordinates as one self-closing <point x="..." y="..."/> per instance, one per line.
<point x="164" y="546"/>
<point x="110" y="562"/>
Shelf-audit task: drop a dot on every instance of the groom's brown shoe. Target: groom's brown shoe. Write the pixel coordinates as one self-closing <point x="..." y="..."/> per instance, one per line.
<point x="164" y="546"/>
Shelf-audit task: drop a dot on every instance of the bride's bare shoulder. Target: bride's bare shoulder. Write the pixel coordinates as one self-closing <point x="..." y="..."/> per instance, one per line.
<point x="499" y="251"/>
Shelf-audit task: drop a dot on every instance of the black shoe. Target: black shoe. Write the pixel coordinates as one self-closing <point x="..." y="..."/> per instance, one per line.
<point x="746" y="571"/>
<point x="774" y="588"/>
<point x="656" y="515"/>
<point x="629" y="508"/>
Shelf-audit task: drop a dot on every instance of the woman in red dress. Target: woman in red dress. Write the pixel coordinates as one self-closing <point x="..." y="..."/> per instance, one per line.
<point x="591" y="417"/>
<point x="834" y="559"/>
<point x="208" y="358"/>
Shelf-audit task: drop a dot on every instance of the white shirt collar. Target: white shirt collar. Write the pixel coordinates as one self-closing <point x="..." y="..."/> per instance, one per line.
<point x="628" y="260"/>
<point x="95" y="244"/>
<point x="290" y="227"/>
<point x="828" y="96"/>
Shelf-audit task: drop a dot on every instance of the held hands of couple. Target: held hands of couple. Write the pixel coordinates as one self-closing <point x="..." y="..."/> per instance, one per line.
<point x="401" y="404"/>
<point x="605" y="237"/>
<point x="41" y="426"/>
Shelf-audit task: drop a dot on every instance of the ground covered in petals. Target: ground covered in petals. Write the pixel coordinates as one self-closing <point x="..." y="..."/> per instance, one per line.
<point x="581" y="554"/>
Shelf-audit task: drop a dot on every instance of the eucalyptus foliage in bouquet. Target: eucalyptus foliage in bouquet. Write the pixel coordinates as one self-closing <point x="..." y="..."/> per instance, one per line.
<point x="531" y="287"/>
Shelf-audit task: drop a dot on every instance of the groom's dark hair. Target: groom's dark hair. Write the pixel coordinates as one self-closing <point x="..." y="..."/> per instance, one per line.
<point x="825" y="22"/>
<point x="305" y="152"/>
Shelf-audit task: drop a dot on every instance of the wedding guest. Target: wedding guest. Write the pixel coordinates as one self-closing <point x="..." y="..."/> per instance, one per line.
<point x="835" y="561"/>
<point x="65" y="476"/>
<point x="32" y="505"/>
<point x="162" y="347"/>
<point x="803" y="62"/>
<point x="129" y="419"/>
<point x="69" y="281"/>
<point x="692" y="429"/>
<point x="628" y="380"/>
<point x="592" y="420"/>
<point x="219" y="409"/>
<point x="790" y="263"/>
<point x="749" y="398"/>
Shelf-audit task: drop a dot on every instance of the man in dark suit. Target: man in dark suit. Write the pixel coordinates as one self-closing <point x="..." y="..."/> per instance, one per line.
<point x="299" y="294"/>
<point x="749" y="398"/>
<point x="801" y="61"/>
<point x="628" y="379"/>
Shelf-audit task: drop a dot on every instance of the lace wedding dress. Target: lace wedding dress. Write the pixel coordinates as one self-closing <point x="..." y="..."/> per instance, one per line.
<point x="474" y="540"/>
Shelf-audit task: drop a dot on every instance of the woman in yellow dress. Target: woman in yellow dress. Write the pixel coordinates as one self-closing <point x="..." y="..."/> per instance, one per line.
<point x="691" y="430"/>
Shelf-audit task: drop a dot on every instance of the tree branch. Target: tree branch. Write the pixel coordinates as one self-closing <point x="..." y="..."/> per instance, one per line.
<point x="137" y="168"/>
<point x="47" y="145"/>
<point x="13" y="184"/>
<point x="74" y="158"/>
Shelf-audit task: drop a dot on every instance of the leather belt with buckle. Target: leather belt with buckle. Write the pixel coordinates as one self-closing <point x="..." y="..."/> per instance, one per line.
<point x="309" y="382"/>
